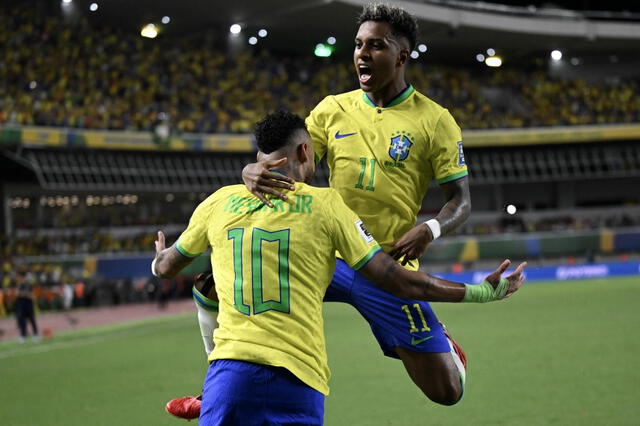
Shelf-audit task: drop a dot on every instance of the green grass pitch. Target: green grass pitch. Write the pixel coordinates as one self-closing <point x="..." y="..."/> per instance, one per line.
<point x="555" y="354"/>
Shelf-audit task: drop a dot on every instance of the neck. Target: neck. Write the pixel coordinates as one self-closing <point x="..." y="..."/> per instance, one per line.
<point x="386" y="94"/>
<point x="290" y="171"/>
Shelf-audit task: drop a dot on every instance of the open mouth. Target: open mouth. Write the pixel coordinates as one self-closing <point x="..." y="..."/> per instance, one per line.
<point x="364" y="73"/>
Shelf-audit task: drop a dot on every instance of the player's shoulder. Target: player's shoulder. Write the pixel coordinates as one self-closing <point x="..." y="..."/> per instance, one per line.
<point x="225" y="192"/>
<point x="342" y="101"/>
<point x="430" y="111"/>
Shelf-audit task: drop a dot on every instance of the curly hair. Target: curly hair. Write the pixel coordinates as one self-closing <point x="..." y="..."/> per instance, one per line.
<point x="402" y="23"/>
<point x="275" y="130"/>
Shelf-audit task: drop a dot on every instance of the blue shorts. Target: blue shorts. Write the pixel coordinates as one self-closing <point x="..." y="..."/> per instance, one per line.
<point x="244" y="393"/>
<point x="409" y="324"/>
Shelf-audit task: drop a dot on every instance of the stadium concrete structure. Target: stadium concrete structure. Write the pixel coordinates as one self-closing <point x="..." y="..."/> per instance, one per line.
<point x="580" y="182"/>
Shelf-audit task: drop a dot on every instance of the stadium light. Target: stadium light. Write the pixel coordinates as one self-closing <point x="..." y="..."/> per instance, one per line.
<point x="93" y="7"/>
<point x="415" y="54"/>
<point x="253" y="40"/>
<point x="491" y="52"/>
<point x="149" y="31"/>
<point x="422" y="47"/>
<point x="166" y="20"/>
<point x="331" y="40"/>
<point x="262" y="33"/>
<point x="480" y="57"/>
<point x="66" y="1"/>
<point x="493" y="61"/>
<point x="235" y="29"/>
<point x="556" y="55"/>
<point x="511" y="209"/>
<point x="322" y="50"/>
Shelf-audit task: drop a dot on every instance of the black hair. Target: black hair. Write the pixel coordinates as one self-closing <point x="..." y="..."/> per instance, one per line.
<point x="402" y="23"/>
<point x="275" y="130"/>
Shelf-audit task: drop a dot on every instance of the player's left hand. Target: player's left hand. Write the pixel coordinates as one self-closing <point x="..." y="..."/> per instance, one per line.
<point x="160" y="243"/>
<point x="412" y="244"/>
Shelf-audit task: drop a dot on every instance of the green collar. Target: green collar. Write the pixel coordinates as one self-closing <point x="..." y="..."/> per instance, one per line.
<point x="401" y="97"/>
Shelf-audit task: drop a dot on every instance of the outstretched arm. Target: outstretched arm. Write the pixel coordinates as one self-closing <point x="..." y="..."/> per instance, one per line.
<point x="386" y="273"/>
<point x="168" y="261"/>
<point x="454" y="213"/>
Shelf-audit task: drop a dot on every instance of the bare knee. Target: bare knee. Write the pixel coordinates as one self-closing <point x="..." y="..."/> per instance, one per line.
<point x="435" y="374"/>
<point x="446" y="394"/>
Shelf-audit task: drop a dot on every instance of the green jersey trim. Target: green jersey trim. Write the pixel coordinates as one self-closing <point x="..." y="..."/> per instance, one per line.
<point x="184" y="252"/>
<point x="204" y="301"/>
<point x="453" y="177"/>
<point x="395" y="101"/>
<point x="374" y="250"/>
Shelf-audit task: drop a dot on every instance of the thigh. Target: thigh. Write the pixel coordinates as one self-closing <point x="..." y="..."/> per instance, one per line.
<point x="244" y="393"/>
<point x="396" y="322"/>
<point x="233" y="394"/>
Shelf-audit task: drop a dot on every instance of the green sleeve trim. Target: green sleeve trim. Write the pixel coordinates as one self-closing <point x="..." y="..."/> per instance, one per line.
<point x="453" y="177"/>
<point x="204" y="301"/>
<point x="374" y="250"/>
<point x="184" y="252"/>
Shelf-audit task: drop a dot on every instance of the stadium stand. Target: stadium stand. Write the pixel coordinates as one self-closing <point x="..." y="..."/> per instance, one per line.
<point x="75" y="75"/>
<point x="107" y="136"/>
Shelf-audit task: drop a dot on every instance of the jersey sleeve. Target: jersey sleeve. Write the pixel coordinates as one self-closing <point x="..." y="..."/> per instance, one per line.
<point x="351" y="238"/>
<point x="316" y="126"/>
<point x="447" y="156"/>
<point x="194" y="241"/>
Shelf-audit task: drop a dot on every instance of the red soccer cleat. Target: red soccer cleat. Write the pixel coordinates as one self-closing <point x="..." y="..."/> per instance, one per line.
<point x="187" y="407"/>
<point x="456" y="347"/>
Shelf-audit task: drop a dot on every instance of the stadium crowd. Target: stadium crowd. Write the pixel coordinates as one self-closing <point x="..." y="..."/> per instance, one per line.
<point x="140" y="239"/>
<point x="55" y="72"/>
<point x="62" y="287"/>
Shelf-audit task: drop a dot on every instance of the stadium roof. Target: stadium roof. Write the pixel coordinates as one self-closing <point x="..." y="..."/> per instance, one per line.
<point x="299" y="25"/>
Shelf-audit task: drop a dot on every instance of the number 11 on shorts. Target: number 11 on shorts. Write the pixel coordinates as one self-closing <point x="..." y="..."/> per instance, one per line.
<point x="412" y="323"/>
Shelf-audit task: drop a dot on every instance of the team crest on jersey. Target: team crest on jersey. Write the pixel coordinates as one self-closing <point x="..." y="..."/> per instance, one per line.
<point x="400" y="145"/>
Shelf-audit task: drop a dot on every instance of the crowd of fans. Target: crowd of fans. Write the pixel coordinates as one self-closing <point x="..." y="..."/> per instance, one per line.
<point x="141" y="239"/>
<point x="57" y="73"/>
<point x="57" y="287"/>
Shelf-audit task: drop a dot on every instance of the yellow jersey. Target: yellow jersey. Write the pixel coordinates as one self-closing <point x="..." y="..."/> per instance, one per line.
<point x="382" y="159"/>
<point x="272" y="268"/>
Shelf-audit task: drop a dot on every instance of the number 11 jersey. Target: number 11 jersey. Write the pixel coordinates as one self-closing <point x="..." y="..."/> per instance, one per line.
<point x="382" y="159"/>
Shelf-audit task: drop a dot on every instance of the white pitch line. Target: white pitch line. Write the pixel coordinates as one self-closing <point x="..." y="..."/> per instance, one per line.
<point x="101" y="337"/>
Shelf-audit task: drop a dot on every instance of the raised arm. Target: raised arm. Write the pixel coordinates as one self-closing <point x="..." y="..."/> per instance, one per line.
<point x="168" y="261"/>
<point x="386" y="273"/>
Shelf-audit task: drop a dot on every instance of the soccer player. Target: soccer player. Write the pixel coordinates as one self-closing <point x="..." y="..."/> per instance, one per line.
<point x="384" y="144"/>
<point x="272" y="267"/>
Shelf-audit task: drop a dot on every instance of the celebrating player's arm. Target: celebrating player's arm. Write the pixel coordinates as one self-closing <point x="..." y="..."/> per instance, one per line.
<point x="384" y="271"/>
<point x="171" y="260"/>
<point x="454" y="213"/>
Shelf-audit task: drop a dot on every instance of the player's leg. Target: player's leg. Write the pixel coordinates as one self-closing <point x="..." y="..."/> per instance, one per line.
<point x="245" y="393"/>
<point x="22" y="326"/>
<point x="206" y="301"/>
<point x="410" y="330"/>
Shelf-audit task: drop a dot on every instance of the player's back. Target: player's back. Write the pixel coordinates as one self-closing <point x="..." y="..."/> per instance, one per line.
<point x="272" y="268"/>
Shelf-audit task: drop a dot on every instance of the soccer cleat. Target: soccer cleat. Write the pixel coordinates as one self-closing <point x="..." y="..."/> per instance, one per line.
<point x="455" y="347"/>
<point x="187" y="407"/>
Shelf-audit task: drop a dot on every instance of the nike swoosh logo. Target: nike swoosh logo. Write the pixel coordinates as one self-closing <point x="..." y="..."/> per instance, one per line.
<point x="339" y="136"/>
<point x="415" y="341"/>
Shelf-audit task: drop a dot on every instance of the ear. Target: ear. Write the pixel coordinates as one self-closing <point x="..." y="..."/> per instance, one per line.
<point x="302" y="152"/>
<point x="403" y="57"/>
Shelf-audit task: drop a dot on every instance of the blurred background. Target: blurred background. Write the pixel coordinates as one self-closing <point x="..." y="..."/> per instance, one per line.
<point x="118" y="117"/>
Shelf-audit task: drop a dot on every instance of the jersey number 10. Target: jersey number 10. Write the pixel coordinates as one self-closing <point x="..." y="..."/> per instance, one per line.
<point x="259" y="236"/>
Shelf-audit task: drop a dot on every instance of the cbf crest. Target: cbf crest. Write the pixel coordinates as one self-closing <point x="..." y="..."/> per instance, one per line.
<point x="400" y="146"/>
